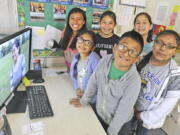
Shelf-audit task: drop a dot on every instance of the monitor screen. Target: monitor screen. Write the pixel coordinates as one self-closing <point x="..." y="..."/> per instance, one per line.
<point x="15" y="53"/>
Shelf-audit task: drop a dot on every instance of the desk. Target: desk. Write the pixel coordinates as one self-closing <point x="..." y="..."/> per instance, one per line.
<point x="67" y="120"/>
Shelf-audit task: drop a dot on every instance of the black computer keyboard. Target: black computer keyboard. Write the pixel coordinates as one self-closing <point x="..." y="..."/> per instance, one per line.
<point x="38" y="102"/>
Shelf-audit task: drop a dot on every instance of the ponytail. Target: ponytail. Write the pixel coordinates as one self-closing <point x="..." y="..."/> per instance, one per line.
<point x="144" y="62"/>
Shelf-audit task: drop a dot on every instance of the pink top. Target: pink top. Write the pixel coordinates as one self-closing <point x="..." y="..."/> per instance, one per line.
<point x="69" y="53"/>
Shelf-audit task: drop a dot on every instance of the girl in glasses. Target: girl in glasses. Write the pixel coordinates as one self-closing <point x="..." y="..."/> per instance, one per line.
<point x="106" y="38"/>
<point x="83" y="63"/>
<point x="160" y="84"/>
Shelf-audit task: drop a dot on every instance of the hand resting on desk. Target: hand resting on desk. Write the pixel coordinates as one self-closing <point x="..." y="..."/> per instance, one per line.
<point x="79" y="93"/>
<point x="75" y="102"/>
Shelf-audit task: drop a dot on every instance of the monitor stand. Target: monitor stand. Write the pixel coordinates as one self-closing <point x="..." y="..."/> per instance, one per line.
<point x="18" y="103"/>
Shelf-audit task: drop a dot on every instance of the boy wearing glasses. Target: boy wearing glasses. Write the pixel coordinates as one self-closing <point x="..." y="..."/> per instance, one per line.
<point x="84" y="62"/>
<point x="160" y="89"/>
<point x="116" y="83"/>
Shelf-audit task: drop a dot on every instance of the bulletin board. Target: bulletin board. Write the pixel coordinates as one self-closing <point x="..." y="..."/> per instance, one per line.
<point x="44" y="16"/>
<point x="24" y="17"/>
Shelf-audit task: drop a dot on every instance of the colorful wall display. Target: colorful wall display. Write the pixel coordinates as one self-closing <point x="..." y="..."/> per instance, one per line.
<point x="53" y="12"/>
<point x="41" y="13"/>
<point x="59" y="12"/>
<point x="158" y="28"/>
<point x="36" y="11"/>
<point x="40" y="0"/>
<point x="21" y="13"/>
<point x="82" y="2"/>
<point x="67" y="2"/>
<point x="96" y="19"/>
<point x="100" y="3"/>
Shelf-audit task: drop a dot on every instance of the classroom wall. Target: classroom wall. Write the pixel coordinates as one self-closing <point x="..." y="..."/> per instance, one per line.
<point x="8" y="15"/>
<point x="151" y="6"/>
<point x="48" y="13"/>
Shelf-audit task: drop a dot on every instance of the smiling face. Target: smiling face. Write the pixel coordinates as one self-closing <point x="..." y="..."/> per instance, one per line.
<point x="107" y="25"/>
<point x="123" y="60"/>
<point x="76" y="21"/>
<point x="142" y="25"/>
<point x="161" y="53"/>
<point x="15" y="53"/>
<point x="84" y="44"/>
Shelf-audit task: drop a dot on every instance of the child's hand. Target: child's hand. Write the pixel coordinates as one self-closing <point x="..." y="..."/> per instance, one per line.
<point x="137" y="114"/>
<point x="79" y="93"/>
<point x="75" y="102"/>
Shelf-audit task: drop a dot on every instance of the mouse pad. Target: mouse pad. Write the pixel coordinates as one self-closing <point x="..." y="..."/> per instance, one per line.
<point x="18" y="104"/>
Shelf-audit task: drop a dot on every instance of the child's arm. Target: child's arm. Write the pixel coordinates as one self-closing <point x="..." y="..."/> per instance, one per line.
<point x="155" y="118"/>
<point x="88" y="95"/>
<point x="72" y="73"/>
<point x="92" y="64"/>
<point x="125" y="108"/>
<point x="79" y="93"/>
<point x="92" y="85"/>
<point x="90" y="91"/>
<point x="75" y="102"/>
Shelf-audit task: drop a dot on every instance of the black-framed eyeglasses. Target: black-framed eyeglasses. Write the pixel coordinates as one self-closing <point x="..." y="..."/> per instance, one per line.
<point x="88" y="43"/>
<point x="131" y="52"/>
<point x="160" y="43"/>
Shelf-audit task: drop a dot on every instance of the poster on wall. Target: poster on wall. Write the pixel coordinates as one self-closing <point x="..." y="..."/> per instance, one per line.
<point x="21" y="13"/>
<point x="96" y="19"/>
<point x="100" y="3"/>
<point x="36" y="11"/>
<point x="40" y="0"/>
<point x="82" y="2"/>
<point x="173" y="18"/>
<point x="162" y="11"/>
<point x="125" y="16"/>
<point x="59" y="12"/>
<point x="67" y="2"/>
<point x="158" y="28"/>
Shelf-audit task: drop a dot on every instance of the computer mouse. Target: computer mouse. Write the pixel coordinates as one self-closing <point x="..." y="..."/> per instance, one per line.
<point x="41" y="80"/>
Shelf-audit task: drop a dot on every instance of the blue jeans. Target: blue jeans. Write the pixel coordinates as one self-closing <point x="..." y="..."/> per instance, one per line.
<point x="141" y="130"/>
<point x="132" y="127"/>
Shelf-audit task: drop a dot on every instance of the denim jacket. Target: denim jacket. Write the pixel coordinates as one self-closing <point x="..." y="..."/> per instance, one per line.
<point x="93" y="60"/>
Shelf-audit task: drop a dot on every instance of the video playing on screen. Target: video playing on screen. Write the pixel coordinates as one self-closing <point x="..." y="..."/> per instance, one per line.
<point x="14" y="62"/>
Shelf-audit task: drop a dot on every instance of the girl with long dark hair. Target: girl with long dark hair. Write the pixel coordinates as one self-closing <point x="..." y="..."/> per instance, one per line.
<point x="76" y="22"/>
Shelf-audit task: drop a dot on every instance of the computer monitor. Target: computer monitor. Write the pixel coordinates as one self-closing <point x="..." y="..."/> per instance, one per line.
<point x="15" y="55"/>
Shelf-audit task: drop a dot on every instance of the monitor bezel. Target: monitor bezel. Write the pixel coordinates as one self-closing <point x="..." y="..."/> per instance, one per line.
<point x="7" y="38"/>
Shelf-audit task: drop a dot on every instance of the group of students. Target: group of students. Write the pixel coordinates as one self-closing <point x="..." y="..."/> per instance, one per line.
<point x="110" y="72"/>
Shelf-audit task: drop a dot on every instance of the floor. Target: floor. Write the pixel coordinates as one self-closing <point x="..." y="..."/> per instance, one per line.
<point x="158" y="132"/>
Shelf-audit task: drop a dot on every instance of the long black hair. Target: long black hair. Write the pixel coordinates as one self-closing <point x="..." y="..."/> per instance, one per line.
<point x="146" y="59"/>
<point x="16" y="43"/>
<point x="109" y="13"/>
<point x="150" y="33"/>
<point x="69" y="32"/>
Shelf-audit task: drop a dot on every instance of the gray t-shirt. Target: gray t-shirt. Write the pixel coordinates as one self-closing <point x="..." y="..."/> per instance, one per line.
<point x="81" y="72"/>
<point x="152" y="78"/>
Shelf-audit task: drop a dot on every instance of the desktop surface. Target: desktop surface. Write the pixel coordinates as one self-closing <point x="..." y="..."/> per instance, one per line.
<point x="67" y="120"/>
